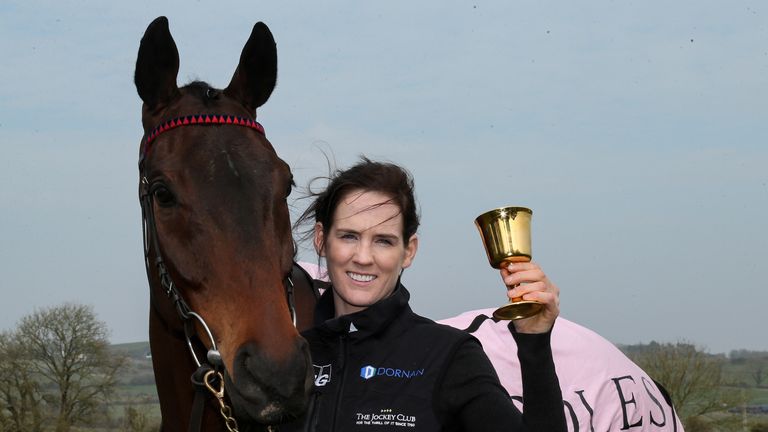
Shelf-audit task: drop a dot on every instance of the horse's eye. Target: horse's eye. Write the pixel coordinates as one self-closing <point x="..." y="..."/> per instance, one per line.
<point x="163" y="195"/>
<point x="291" y="184"/>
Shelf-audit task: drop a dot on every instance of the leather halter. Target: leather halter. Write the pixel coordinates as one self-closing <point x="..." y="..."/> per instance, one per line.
<point x="212" y="361"/>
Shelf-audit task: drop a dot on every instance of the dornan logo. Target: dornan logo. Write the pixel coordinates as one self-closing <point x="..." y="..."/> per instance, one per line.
<point x="322" y="374"/>
<point x="368" y="372"/>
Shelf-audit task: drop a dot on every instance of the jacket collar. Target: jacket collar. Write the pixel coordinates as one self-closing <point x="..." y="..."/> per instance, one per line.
<point x="365" y="322"/>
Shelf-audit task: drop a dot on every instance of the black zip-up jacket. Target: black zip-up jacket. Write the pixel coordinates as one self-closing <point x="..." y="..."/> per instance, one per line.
<point x="387" y="369"/>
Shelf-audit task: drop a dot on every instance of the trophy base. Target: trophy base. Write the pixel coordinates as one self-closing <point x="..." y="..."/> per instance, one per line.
<point x="517" y="310"/>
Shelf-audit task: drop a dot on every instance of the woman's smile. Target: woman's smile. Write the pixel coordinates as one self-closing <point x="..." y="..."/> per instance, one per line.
<point x="357" y="277"/>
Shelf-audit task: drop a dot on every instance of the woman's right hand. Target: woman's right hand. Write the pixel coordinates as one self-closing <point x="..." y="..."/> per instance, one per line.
<point x="528" y="281"/>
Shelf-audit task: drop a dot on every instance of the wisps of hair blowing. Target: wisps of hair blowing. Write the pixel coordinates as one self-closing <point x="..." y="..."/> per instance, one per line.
<point x="369" y="176"/>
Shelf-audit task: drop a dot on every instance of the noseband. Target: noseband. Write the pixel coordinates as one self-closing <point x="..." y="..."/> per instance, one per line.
<point x="208" y="376"/>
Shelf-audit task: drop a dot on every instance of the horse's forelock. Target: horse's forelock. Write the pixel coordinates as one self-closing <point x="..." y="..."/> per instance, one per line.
<point x="202" y="91"/>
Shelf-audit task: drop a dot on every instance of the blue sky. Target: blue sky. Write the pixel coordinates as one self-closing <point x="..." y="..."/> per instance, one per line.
<point x="635" y="130"/>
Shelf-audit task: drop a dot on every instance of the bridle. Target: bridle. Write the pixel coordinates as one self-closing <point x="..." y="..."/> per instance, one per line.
<point x="196" y="119"/>
<point x="208" y="377"/>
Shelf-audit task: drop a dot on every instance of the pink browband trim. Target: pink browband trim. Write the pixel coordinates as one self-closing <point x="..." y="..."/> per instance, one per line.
<point x="200" y="119"/>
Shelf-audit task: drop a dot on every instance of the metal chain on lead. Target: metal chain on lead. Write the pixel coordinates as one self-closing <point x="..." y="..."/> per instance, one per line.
<point x="224" y="409"/>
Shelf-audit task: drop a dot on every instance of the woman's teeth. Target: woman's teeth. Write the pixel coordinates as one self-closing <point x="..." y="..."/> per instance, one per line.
<point x="361" y="277"/>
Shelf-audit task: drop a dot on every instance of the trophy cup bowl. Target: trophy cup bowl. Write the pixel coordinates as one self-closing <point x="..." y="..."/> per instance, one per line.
<point x="506" y="235"/>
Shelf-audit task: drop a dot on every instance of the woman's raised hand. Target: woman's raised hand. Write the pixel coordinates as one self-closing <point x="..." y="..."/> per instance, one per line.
<point x="527" y="280"/>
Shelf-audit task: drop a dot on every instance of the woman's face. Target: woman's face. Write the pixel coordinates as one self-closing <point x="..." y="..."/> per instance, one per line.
<point x="364" y="249"/>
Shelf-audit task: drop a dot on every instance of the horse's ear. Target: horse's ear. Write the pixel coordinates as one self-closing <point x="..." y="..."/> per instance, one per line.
<point x="157" y="65"/>
<point x="256" y="75"/>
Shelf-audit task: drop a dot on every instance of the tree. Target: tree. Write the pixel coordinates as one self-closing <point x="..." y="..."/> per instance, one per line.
<point x="136" y="419"/>
<point x="758" y="374"/>
<point x="693" y="378"/>
<point x="21" y="404"/>
<point x="69" y="353"/>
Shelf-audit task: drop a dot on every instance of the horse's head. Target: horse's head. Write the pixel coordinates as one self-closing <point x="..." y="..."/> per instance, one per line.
<point x="217" y="194"/>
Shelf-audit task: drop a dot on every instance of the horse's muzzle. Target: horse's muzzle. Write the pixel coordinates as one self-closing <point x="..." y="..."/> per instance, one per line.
<point x="266" y="391"/>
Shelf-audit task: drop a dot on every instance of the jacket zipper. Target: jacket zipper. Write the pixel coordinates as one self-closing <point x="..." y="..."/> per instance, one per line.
<point x="340" y="388"/>
<point x="311" y="424"/>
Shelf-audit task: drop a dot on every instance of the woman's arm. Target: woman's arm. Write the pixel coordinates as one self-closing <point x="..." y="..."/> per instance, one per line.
<point x="470" y="397"/>
<point x="471" y="387"/>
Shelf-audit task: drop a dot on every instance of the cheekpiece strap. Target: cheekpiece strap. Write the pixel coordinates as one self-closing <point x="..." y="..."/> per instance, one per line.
<point x="199" y="119"/>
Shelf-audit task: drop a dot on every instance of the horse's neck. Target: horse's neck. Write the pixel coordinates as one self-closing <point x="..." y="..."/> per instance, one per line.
<point x="173" y="368"/>
<point x="305" y="297"/>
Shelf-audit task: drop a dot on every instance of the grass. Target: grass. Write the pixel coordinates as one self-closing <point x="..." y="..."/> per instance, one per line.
<point x="758" y="396"/>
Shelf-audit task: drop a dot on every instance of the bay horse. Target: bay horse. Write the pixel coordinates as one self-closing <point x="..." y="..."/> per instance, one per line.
<point x="218" y="245"/>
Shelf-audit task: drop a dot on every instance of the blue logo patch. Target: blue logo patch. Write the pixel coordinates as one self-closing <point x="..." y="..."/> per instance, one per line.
<point x="368" y="372"/>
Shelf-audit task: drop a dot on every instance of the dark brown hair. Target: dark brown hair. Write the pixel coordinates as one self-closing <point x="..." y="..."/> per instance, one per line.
<point x="367" y="175"/>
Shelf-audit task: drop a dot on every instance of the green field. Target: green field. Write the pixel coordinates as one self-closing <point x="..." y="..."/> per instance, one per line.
<point x="758" y="396"/>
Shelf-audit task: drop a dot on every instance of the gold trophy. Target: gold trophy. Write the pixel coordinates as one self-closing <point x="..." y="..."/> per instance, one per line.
<point x="506" y="234"/>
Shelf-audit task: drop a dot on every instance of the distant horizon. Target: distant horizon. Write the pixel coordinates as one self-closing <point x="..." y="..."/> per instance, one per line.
<point x="618" y="345"/>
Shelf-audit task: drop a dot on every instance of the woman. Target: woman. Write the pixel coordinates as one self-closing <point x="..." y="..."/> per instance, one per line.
<point x="378" y="365"/>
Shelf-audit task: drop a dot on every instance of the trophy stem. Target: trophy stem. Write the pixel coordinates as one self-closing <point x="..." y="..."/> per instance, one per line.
<point x="516" y="310"/>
